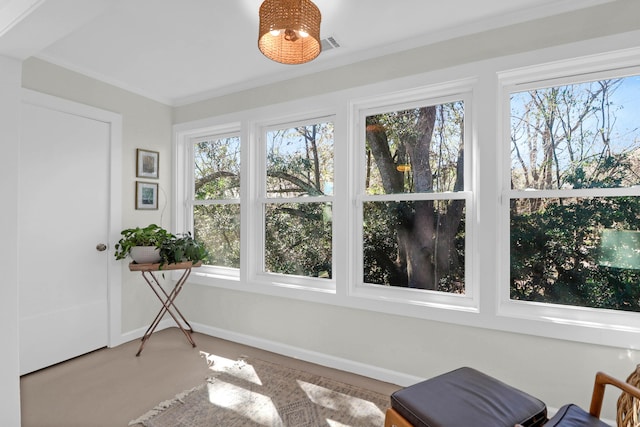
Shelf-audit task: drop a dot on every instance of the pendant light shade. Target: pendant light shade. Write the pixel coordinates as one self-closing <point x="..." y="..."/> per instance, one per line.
<point x="289" y="31"/>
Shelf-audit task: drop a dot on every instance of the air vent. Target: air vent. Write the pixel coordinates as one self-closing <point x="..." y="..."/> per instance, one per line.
<point x="329" y="43"/>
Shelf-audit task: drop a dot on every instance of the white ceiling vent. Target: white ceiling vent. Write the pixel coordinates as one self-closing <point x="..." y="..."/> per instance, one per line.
<point x="329" y="43"/>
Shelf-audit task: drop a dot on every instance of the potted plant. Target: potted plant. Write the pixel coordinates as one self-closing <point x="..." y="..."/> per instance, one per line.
<point x="182" y="248"/>
<point x="154" y="244"/>
<point x="142" y="244"/>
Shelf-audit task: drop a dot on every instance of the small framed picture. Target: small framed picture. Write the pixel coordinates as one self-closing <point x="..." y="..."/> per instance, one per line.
<point x="146" y="195"/>
<point x="147" y="163"/>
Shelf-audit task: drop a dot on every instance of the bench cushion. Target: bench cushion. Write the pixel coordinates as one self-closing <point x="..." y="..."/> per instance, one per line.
<point x="574" y="416"/>
<point x="467" y="397"/>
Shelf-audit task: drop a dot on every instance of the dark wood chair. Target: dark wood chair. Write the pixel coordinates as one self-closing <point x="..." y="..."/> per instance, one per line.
<point x="423" y="404"/>
<point x="573" y="416"/>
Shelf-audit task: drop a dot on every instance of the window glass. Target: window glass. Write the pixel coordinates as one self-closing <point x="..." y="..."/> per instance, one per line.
<point x="577" y="251"/>
<point x="300" y="161"/>
<point x="216" y="208"/>
<point x="392" y="233"/>
<point x="415" y="240"/>
<point x="218" y="226"/>
<point x="217" y="169"/>
<point x="582" y="135"/>
<point x="298" y="224"/>
<point x="419" y="150"/>
<point x="299" y="236"/>
<point x="575" y="247"/>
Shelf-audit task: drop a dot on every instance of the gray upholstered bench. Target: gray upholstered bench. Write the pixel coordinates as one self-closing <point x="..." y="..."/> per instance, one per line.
<point x="464" y="397"/>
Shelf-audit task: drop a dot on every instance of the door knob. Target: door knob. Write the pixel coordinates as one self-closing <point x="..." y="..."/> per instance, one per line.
<point x="100" y="247"/>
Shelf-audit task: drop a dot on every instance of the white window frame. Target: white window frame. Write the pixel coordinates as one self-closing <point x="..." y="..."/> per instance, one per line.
<point x="489" y="82"/>
<point x="257" y="263"/>
<point x="554" y="319"/>
<point x="460" y="90"/>
<point x="184" y="154"/>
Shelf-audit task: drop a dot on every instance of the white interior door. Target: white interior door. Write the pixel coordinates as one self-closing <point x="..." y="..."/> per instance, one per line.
<point x="64" y="216"/>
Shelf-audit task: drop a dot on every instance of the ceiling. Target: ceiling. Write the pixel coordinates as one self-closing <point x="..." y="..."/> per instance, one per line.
<point x="181" y="51"/>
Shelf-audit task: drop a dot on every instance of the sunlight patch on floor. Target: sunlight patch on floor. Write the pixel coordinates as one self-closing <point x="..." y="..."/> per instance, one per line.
<point x="254" y="405"/>
<point x="333" y="423"/>
<point x="222" y="364"/>
<point x="339" y="401"/>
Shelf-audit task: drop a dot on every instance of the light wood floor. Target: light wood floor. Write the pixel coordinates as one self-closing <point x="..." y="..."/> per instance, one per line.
<point x="111" y="387"/>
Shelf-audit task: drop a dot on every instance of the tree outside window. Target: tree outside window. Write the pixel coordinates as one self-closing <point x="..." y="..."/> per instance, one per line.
<point x="574" y="201"/>
<point x="216" y="204"/>
<point x="413" y="219"/>
<point x="297" y="209"/>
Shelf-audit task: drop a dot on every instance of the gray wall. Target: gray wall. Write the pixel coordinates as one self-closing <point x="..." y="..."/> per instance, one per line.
<point x="10" y="145"/>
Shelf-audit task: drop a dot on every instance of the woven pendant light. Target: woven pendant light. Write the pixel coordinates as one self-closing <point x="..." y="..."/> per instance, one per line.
<point x="289" y="31"/>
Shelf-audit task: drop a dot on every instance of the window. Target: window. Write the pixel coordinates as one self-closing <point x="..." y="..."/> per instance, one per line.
<point x="413" y="195"/>
<point x="502" y="194"/>
<point x="574" y="203"/>
<point x="297" y="199"/>
<point x="216" y="197"/>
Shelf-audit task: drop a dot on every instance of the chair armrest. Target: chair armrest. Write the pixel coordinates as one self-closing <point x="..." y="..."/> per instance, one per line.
<point x="601" y="381"/>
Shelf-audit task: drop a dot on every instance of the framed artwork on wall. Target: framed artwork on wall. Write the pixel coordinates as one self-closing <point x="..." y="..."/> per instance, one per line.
<point x="146" y="195"/>
<point x="147" y="163"/>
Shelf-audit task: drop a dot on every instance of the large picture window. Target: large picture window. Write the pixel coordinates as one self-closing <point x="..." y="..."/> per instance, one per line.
<point x="413" y="221"/>
<point x="574" y="199"/>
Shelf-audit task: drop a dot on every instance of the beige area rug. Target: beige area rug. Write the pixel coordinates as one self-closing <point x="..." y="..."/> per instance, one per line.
<point x="252" y="392"/>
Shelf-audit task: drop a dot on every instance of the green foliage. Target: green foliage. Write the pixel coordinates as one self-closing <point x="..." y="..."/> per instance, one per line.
<point x="298" y="239"/>
<point x="298" y="236"/>
<point x="173" y="249"/>
<point x="300" y="160"/>
<point x="380" y="244"/>
<point x="415" y="243"/>
<point x="182" y="248"/>
<point x="217" y="169"/>
<point x="218" y="227"/>
<point x="384" y="264"/>
<point x="217" y="182"/>
<point x="555" y="254"/>
<point x="568" y="138"/>
<point x="151" y="235"/>
<point x="299" y="163"/>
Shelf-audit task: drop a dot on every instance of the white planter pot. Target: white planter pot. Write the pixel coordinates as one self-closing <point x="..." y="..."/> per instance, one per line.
<point x="145" y="254"/>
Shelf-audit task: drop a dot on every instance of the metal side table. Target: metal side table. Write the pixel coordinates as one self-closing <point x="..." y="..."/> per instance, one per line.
<point x="167" y="299"/>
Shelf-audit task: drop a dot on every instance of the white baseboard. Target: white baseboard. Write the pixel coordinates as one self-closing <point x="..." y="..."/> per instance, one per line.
<point x="370" y="371"/>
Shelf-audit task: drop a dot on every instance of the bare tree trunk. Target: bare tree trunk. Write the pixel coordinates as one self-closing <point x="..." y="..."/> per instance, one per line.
<point x="425" y="235"/>
<point x="379" y="145"/>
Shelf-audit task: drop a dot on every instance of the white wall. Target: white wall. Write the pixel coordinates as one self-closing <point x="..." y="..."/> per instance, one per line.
<point x="10" y="146"/>
<point x="145" y="124"/>
<point x="556" y="371"/>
